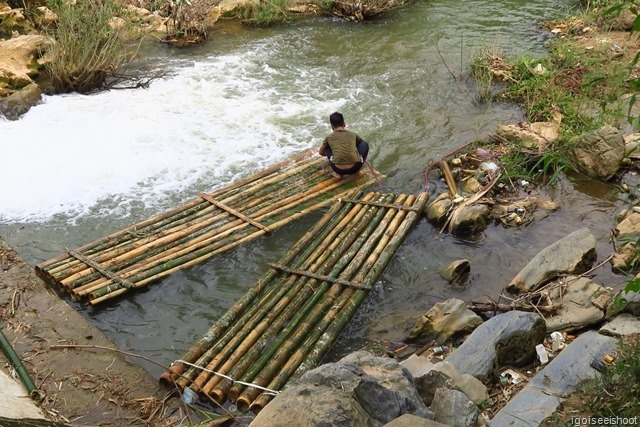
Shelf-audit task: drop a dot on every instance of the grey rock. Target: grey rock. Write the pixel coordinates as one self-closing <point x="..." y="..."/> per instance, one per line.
<point x="429" y="383"/>
<point x="457" y="272"/>
<point x="408" y="420"/>
<point x="622" y="325"/>
<point x="547" y="390"/>
<point x="529" y="407"/>
<point x="19" y="102"/>
<point x="599" y="154"/>
<point x="572" y="366"/>
<point x="468" y="384"/>
<point x="444" y="320"/>
<point x="470" y="221"/>
<point x="506" y="339"/>
<point x="452" y="407"/>
<point x="574" y="254"/>
<point x="417" y="365"/>
<point x="359" y="390"/>
<point x="579" y="307"/>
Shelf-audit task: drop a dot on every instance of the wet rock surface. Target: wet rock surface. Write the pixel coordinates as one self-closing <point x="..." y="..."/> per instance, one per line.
<point x="573" y="254"/>
<point x="444" y="320"/>
<point x="506" y="339"/>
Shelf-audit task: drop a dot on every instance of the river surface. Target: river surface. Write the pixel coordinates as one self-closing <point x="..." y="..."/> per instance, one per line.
<point x="76" y="168"/>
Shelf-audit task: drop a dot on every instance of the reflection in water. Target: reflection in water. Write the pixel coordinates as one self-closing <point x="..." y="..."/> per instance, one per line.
<point x="79" y="167"/>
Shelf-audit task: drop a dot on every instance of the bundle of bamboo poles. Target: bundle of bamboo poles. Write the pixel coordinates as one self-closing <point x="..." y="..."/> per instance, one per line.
<point x="292" y="315"/>
<point x="197" y="230"/>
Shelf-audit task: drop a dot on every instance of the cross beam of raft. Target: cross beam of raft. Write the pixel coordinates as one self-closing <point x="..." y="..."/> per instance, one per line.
<point x="234" y="212"/>
<point x="104" y="271"/>
<point x="290" y="317"/>
<point x="318" y="276"/>
<point x="197" y="230"/>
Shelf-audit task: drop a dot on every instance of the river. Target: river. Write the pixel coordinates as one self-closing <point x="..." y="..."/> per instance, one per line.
<point x="76" y="167"/>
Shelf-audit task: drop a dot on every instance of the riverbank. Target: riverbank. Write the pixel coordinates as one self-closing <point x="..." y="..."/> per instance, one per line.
<point x="82" y="382"/>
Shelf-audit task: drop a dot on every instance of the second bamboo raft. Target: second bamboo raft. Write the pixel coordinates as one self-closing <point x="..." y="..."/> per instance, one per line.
<point x="290" y="317"/>
<point x="195" y="231"/>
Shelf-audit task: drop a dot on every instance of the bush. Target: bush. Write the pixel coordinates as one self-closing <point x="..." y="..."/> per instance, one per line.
<point x="88" y="46"/>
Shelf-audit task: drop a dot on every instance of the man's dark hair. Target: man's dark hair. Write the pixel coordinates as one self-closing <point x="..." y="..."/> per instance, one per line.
<point x="336" y="119"/>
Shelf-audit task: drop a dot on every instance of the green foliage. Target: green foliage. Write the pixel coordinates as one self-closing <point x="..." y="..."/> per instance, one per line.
<point x="263" y="13"/>
<point x="87" y="48"/>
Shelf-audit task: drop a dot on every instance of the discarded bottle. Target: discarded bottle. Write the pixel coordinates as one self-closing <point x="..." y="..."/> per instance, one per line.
<point x="543" y="356"/>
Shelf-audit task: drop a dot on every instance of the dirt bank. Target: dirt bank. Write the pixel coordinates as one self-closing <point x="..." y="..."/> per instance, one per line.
<point x="82" y="386"/>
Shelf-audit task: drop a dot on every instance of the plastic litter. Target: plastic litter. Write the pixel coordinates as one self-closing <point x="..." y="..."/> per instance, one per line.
<point x="543" y="356"/>
<point x="557" y="341"/>
<point x="511" y="376"/>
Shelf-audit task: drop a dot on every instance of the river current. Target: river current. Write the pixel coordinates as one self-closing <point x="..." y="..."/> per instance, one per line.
<point x="76" y="168"/>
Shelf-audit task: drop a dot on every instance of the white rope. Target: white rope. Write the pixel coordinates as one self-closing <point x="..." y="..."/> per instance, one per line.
<point x="268" y="390"/>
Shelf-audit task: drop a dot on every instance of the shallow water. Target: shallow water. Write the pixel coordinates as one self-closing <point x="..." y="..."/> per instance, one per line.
<point x="80" y="167"/>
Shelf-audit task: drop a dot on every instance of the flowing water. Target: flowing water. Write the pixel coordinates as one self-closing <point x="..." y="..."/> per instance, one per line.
<point x="76" y="168"/>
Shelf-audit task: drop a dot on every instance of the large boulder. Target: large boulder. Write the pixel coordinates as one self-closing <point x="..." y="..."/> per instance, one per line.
<point x="547" y="390"/>
<point x="13" y="21"/>
<point x="574" y="254"/>
<point x="444" y="320"/>
<point x="21" y="60"/>
<point x="583" y="303"/>
<point x="359" y="390"/>
<point x="599" y="154"/>
<point x="506" y="339"/>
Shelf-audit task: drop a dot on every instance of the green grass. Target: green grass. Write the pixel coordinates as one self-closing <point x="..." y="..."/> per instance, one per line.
<point x="264" y="13"/>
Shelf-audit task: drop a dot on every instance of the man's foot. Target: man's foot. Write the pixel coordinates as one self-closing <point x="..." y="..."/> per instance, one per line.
<point x="335" y="175"/>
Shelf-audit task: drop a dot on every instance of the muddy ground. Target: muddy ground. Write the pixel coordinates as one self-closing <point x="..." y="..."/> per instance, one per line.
<point x="82" y="385"/>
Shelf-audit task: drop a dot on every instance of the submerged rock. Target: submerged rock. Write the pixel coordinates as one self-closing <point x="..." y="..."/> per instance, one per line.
<point x="506" y="339"/>
<point x="573" y="254"/>
<point x="470" y="221"/>
<point x="457" y="272"/>
<point x="445" y="320"/>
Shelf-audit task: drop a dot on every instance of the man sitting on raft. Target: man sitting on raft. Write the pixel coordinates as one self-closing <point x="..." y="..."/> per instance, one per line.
<point x="345" y="150"/>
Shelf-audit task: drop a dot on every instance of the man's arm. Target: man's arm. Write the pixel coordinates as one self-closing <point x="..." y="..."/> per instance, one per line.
<point x="323" y="148"/>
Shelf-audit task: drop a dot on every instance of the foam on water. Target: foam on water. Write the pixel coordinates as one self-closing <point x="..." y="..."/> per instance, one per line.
<point x="215" y="119"/>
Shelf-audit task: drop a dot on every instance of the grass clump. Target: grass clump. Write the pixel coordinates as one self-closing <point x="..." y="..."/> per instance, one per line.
<point x="264" y="13"/>
<point x="89" y="45"/>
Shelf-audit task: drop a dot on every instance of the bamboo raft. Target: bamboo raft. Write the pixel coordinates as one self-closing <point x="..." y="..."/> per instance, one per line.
<point x="292" y="315"/>
<point x="195" y="231"/>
